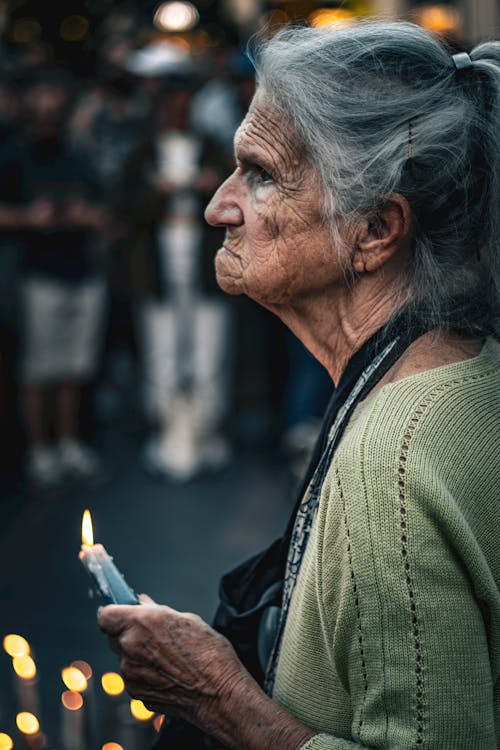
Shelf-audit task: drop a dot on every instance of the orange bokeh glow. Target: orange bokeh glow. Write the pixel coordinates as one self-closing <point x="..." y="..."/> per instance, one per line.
<point x="158" y="722"/>
<point x="112" y="746"/>
<point x="112" y="683"/>
<point x="139" y="710"/>
<point x="74" y="679"/>
<point x="332" y="16"/>
<point x="27" y="723"/>
<point x="16" y="645"/>
<point x="24" y="667"/>
<point x="84" y="668"/>
<point x="71" y="700"/>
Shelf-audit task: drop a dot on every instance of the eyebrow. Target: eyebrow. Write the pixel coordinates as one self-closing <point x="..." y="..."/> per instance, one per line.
<point x="248" y="157"/>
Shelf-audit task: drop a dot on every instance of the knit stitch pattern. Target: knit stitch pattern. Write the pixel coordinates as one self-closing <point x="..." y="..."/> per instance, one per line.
<point x="393" y="634"/>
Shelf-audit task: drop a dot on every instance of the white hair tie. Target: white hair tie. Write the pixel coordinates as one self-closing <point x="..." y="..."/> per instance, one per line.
<point x="462" y="61"/>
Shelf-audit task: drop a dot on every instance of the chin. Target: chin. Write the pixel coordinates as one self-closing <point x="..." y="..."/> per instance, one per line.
<point x="228" y="284"/>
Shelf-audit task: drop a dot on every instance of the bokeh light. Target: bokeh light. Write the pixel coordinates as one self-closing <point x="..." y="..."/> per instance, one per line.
<point x="74" y="28"/>
<point x="27" y="723"/>
<point x="442" y="19"/>
<point x="26" y="30"/>
<point x="112" y="683"/>
<point x="71" y="700"/>
<point x="326" y="16"/>
<point x="74" y="679"/>
<point x="24" y="667"/>
<point x="158" y="722"/>
<point x="16" y="645"/>
<point x="139" y="710"/>
<point x="112" y="746"/>
<point x="176" y="16"/>
<point x="5" y="742"/>
<point x="84" y="668"/>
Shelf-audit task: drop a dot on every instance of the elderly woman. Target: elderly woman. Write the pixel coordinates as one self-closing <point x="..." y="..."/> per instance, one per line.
<point x="364" y="212"/>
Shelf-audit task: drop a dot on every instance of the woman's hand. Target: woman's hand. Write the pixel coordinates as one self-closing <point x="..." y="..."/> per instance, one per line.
<point x="172" y="661"/>
<point x="178" y="665"/>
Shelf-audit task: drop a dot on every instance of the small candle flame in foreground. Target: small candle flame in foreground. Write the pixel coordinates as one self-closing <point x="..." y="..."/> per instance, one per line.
<point x="27" y="723"/>
<point x="158" y="722"/>
<point x="139" y="710"/>
<point x="87" y="531"/>
<point x="74" y="679"/>
<point x="112" y="683"/>
<point x="16" y="645"/>
<point x="84" y="668"/>
<point x="24" y="667"/>
<point x="71" y="700"/>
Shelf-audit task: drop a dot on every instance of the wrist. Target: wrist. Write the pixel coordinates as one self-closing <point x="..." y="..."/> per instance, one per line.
<point x="245" y="718"/>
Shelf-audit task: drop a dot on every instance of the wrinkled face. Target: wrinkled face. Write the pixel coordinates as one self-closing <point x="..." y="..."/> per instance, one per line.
<point x="277" y="248"/>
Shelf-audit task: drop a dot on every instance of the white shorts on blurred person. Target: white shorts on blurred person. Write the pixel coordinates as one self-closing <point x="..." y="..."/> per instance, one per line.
<point x="187" y="381"/>
<point x="62" y="324"/>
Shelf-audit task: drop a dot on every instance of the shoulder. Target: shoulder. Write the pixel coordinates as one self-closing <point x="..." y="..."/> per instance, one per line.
<point x="426" y="445"/>
<point x="439" y="431"/>
<point x="433" y="407"/>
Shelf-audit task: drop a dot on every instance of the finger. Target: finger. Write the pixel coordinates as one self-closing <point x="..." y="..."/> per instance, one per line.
<point x="113" y="618"/>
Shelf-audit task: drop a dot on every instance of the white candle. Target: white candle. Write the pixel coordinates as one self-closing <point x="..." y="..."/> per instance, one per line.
<point x="100" y="565"/>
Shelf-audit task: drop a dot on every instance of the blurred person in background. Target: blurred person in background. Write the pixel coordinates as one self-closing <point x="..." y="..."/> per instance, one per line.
<point x="184" y="327"/>
<point x="110" y="116"/>
<point x="217" y="110"/>
<point x="49" y="203"/>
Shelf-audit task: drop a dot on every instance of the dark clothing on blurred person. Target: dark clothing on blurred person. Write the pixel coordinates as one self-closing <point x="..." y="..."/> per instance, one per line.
<point x="59" y="174"/>
<point x="140" y="207"/>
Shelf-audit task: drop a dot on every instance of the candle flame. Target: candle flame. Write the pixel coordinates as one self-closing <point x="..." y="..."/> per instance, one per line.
<point x="87" y="531"/>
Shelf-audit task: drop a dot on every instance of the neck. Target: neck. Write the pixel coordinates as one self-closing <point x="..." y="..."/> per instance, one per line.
<point x="334" y="325"/>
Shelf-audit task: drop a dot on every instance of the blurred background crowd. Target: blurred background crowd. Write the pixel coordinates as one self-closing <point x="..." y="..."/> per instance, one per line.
<point x="117" y="122"/>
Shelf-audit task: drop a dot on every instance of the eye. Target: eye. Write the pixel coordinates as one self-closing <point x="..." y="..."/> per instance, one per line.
<point x="259" y="176"/>
<point x="262" y="175"/>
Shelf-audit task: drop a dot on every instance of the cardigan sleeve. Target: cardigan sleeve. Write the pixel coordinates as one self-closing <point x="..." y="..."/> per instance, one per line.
<point x="408" y="633"/>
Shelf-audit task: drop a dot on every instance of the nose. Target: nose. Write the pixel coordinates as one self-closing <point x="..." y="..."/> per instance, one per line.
<point x="223" y="210"/>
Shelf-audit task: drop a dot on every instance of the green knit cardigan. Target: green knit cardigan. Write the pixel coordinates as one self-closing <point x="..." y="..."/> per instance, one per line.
<point x="393" y="635"/>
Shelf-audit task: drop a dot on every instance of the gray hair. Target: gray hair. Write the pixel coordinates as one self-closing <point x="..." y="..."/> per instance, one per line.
<point x="381" y="109"/>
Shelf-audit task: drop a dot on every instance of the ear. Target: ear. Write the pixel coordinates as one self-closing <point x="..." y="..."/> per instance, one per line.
<point x="382" y="236"/>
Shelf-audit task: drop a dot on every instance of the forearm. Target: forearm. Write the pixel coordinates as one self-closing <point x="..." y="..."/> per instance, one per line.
<point x="243" y="717"/>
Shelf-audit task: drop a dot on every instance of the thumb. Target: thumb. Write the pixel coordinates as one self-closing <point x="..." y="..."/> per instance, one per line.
<point x="145" y="599"/>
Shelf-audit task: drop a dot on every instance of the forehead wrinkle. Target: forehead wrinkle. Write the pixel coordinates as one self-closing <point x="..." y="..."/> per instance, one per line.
<point x="267" y="134"/>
